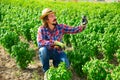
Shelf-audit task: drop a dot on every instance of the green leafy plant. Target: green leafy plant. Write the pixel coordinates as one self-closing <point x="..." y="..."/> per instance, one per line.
<point x="26" y="31"/>
<point x="118" y="55"/>
<point x="109" y="45"/>
<point x="33" y="32"/>
<point x="9" y="39"/>
<point x="115" y="74"/>
<point x="97" y="69"/>
<point x="60" y="73"/>
<point x="22" y="54"/>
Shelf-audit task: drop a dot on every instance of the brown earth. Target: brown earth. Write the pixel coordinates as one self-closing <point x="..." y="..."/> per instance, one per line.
<point x="10" y="71"/>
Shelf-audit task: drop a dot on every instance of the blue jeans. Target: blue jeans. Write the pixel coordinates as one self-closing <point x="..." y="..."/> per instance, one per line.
<point x="45" y="55"/>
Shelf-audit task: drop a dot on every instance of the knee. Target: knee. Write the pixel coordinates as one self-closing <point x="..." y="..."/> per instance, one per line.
<point x="43" y="50"/>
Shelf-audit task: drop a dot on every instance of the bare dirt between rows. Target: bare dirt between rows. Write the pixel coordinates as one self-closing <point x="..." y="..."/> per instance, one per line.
<point x="10" y="71"/>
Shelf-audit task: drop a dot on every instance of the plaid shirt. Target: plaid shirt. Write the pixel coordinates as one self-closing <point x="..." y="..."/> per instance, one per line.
<point x="46" y="37"/>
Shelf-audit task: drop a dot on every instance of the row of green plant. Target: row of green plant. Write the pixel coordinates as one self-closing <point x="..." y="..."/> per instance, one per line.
<point x="17" y="49"/>
<point x="101" y="70"/>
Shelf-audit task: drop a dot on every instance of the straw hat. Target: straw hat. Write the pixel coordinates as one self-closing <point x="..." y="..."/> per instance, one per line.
<point x="46" y="12"/>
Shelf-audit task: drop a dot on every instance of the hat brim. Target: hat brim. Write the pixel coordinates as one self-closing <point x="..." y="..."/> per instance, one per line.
<point x="41" y="17"/>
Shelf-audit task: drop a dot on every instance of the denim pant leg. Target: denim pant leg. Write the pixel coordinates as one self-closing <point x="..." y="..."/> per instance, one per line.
<point x="44" y="58"/>
<point x="63" y="58"/>
<point x="56" y="58"/>
<point x="60" y="57"/>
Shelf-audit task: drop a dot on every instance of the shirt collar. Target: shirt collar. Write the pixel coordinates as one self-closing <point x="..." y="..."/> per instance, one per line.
<point x="55" y="28"/>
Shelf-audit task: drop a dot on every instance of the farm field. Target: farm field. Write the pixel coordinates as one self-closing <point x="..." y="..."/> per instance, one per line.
<point x="96" y="50"/>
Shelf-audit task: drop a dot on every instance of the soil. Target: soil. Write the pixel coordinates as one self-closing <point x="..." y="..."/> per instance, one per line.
<point x="10" y="71"/>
